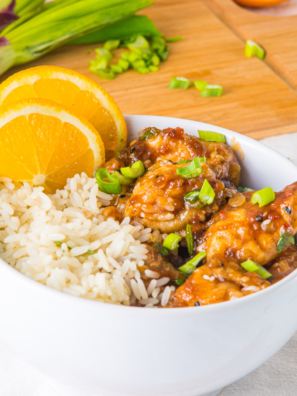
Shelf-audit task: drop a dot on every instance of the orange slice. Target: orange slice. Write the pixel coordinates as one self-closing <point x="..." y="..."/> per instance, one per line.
<point x="75" y="91"/>
<point x="44" y="143"/>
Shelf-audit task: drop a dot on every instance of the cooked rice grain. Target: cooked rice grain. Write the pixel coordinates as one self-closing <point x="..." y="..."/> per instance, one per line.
<point x="62" y="241"/>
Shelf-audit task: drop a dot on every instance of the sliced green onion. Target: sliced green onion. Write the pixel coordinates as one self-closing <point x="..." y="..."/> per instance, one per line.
<point x="104" y="53"/>
<point x="124" y="181"/>
<point x="251" y="266"/>
<point x="158" y="43"/>
<point x="126" y="55"/>
<point x="191" y="170"/>
<point x="211" y="90"/>
<point x="133" y="172"/>
<point x="147" y="135"/>
<point x="107" y="74"/>
<point x="263" y="197"/>
<point x="111" y="187"/>
<point x="100" y="64"/>
<point x="138" y="63"/>
<point x="155" y="60"/>
<point x="89" y="252"/>
<point x="163" y="54"/>
<point x="210" y="136"/>
<point x="183" y="162"/>
<point x="192" y="196"/>
<point x="139" y="43"/>
<point x="143" y="70"/>
<point x="207" y="193"/>
<point x="153" y="68"/>
<point x="252" y="48"/>
<point x="179" y="281"/>
<point x="161" y="249"/>
<point x="112" y="45"/>
<point x="285" y="240"/>
<point x="190" y="239"/>
<point x="124" y="64"/>
<point x="200" y="85"/>
<point x="191" y="265"/>
<point x="174" y="39"/>
<point x="116" y="69"/>
<point x="179" y="82"/>
<point x="171" y="241"/>
<point x="133" y="57"/>
<point x="58" y="243"/>
<point x="243" y="189"/>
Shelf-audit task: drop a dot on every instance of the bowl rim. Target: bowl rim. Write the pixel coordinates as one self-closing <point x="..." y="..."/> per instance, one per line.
<point x="204" y="309"/>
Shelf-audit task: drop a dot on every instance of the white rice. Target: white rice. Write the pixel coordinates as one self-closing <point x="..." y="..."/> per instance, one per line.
<point x="62" y="241"/>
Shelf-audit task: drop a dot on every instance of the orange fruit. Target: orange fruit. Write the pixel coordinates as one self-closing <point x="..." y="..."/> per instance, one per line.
<point x="259" y="3"/>
<point x="44" y="143"/>
<point x="77" y="92"/>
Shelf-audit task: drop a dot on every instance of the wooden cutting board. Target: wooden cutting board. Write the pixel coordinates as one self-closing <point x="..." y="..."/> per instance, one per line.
<point x="256" y="100"/>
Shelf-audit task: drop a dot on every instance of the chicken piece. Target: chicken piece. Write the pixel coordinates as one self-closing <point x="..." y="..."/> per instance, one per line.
<point x="158" y="201"/>
<point x="237" y="234"/>
<point x="214" y="285"/>
<point x="157" y="263"/>
<point x="249" y="232"/>
<point x="283" y="264"/>
<point x="175" y="145"/>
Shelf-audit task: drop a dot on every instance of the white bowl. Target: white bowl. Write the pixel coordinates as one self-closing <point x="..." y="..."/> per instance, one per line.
<point x="97" y="349"/>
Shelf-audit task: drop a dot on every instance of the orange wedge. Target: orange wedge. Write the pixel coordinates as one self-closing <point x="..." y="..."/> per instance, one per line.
<point x="44" y="143"/>
<point x="77" y="92"/>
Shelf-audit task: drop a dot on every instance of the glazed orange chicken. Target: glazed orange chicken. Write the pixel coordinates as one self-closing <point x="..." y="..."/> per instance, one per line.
<point x="228" y="243"/>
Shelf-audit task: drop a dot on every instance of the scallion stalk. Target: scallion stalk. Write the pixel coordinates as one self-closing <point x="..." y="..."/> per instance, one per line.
<point x="179" y="82"/>
<point x="285" y="240"/>
<point x="200" y="85"/>
<point x="191" y="265"/>
<point x="134" y="171"/>
<point x="251" y="266"/>
<point x="252" y="48"/>
<point x="192" y="170"/>
<point x="190" y="239"/>
<point x="211" y="90"/>
<point x="112" y="186"/>
<point x="210" y="136"/>
<point x="60" y="24"/>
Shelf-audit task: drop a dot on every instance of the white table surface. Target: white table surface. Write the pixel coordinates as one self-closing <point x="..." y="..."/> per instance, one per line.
<point x="277" y="377"/>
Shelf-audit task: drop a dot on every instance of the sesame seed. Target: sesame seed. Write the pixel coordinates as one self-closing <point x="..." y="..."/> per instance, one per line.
<point x="206" y="277"/>
<point x="266" y="222"/>
<point x="132" y="150"/>
<point x="197" y="304"/>
<point x="259" y="219"/>
<point x="212" y="278"/>
<point x="122" y="196"/>
<point x="288" y="210"/>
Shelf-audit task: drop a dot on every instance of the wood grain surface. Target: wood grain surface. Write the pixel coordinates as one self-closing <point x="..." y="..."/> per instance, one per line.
<point x="256" y="101"/>
<point x="277" y="35"/>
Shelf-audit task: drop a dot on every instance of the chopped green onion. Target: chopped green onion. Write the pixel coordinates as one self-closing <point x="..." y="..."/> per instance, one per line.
<point x="143" y="70"/>
<point x="133" y="57"/>
<point x="155" y="60"/>
<point x="111" y="45"/>
<point x="147" y="135"/>
<point x="133" y="172"/>
<point x="179" y="281"/>
<point x="192" y="196"/>
<point x="139" y="43"/>
<point x="207" y="193"/>
<point x="58" y="243"/>
<point x="191" y="265"/>
<point x="89" y="252"/>
<point x="163" y="54"/>
<point x="104" y="53"/>
<point x="191" y="170"/>
<point x="211" y="90"/>
<point x="174" y="39"/>
<point x="200" y="85"/>
<point x="161" y="249"/>
<point x="126" y="55"/>
<point x="124" y="181"/>
<point x="251" y="266"/>
<point x="183" y="162"/>
<point x="244" y="189"/>
<point x="138" y="63"/>
<point x="179" y="82"/>
<point x="153" y="68"/>
<point x="116" y="69"/>
<point x="190" y="239"/>
<point x="96" y="65"/>
<point x="171" y="241"/>
<point x="124" y="64"/>
<point x="111" y="187"/>
<point x="285" y="240"/>
<point x="263" y="197"/>
<point x="252" y="48"/>
<point x="158" y="43"/>
<point x="107" y="74"/>
<point x="210" y="136"/>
